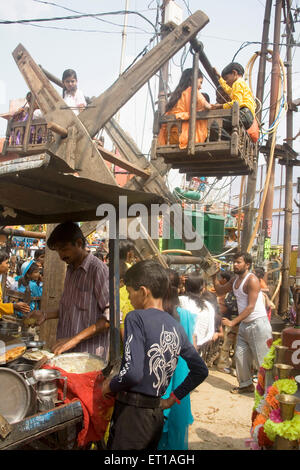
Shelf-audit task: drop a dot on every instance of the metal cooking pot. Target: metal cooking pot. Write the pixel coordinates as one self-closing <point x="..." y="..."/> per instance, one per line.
<point x="21" y="368"/>
<point x="26" y="337"/>
<point x="15" y="395"/>
<point x="9" y="328"/>
<point x="46" y="387"/>
<point x="35" y="344"/>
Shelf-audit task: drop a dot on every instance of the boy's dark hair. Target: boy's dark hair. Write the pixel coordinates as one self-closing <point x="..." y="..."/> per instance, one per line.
<point x="125" y="246"/>
<point x="150" y="274"/>
<point x="193" y="285"/>
<point x="231" y="67"/>
<point x="123" y="269"/>
<point x="67" y="232"/>
<point x="259" y="271"/>
<point x="243" y="254"/>
<point x="39" y="252"/>
<point x="226" y="275"/>
<point x="3" y="256"/>
<point x="171" y="301"/>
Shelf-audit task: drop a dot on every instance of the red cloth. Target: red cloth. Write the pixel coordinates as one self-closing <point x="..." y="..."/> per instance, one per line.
<point x="96" y="410"/>
<point x="253" y="131"/>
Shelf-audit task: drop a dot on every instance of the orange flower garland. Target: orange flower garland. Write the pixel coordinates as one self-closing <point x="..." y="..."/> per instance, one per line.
<point x="260" y="419"/>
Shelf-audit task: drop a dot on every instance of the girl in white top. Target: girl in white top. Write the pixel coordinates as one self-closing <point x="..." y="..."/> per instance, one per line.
<point x="192" y="301"/>
<point x="73" y="97"/>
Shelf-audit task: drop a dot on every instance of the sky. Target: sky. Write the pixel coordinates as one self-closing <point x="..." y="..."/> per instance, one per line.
<point x="93" y="48"/>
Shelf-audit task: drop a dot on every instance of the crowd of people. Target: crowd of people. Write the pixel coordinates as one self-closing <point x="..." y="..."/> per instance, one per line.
<point x="173" y="329"/>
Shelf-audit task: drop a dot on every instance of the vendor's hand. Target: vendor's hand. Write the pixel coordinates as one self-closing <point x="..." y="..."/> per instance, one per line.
<point x="38" y="316"/>
<point x="64" y="344"/>
<point x="21" y="307"/>
<point x="166" y="403"/>
<point x="227" y="322"/>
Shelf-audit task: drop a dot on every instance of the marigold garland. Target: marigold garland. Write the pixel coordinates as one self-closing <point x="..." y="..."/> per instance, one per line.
<point x="257" y="399"/>
<point x="268" y="361"/>
<point x="288" y="429"/>
<point x="288" y="386"/>
<point x="266" y="416"/>
<point x="260" y="419"/>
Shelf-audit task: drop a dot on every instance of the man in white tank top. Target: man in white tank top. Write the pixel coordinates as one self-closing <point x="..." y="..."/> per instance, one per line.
<point x="254" y="326"/>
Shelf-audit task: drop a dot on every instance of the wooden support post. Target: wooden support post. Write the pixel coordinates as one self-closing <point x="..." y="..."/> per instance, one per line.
<point x="275" y="83"/>
<point x="54" y="277"/>
<point x="57" y="129"/>
<point x="286" y="256"/>
<point x="114" y="293"/>
<point x="249" y="211"/>
<point x="193" y="105"/>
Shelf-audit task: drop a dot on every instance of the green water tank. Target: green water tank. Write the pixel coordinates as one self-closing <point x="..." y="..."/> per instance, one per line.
<point x="214" y="232"/>
<point x="177" y="243"/>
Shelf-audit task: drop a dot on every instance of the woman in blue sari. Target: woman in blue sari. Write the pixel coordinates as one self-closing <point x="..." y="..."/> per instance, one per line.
<point x="179" y="417"/>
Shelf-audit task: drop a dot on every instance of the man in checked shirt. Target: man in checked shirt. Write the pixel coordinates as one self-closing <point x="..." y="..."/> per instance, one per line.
<point x="82" y="313"/>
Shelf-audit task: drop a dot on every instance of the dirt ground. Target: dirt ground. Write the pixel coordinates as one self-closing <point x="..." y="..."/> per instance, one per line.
<point x="221" y="420"/>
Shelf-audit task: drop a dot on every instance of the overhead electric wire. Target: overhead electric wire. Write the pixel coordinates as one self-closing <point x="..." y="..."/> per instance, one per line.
<point x="81" y="12"/>
<point x="75" y="17"/>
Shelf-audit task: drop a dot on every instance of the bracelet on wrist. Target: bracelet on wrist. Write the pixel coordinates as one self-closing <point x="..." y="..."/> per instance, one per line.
<point x="175" y="398"/>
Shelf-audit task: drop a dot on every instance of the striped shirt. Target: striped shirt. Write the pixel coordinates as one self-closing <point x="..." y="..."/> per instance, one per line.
<point x="84" y="298"/>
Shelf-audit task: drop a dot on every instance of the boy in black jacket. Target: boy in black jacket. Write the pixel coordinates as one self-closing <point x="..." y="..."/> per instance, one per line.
<point x="153" y="342"/>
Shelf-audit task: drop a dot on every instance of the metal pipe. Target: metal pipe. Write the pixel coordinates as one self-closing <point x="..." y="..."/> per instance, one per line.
<point x="173" y="259"/>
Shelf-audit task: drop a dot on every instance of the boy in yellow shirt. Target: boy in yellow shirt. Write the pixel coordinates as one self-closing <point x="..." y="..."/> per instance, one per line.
<point x="9" y="308"/>
<point x="237" y="89"/>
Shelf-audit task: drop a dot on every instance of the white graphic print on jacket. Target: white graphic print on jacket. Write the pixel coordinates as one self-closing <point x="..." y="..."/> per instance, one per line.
<point x="163" y="359"/>
<point x="127" y="357"/>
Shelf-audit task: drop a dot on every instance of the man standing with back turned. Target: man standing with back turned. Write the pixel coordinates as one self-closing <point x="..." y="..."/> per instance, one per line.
<point x="254" y="326"/>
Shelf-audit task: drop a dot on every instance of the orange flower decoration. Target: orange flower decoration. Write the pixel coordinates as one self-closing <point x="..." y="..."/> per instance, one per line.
<point x="261" y="380"/>
<point x="266" y="411"/>
<point x="260" y="419"/>
<point x="272" y="402"/>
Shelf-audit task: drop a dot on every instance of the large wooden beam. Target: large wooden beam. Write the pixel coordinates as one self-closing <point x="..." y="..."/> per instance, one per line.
<point x="109" y="102"/>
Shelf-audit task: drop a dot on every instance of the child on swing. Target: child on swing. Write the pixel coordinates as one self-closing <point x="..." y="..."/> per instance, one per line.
<point x="73" y="97"/>
<point x="237" y="89"/>
<point x="179" y="105"/>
